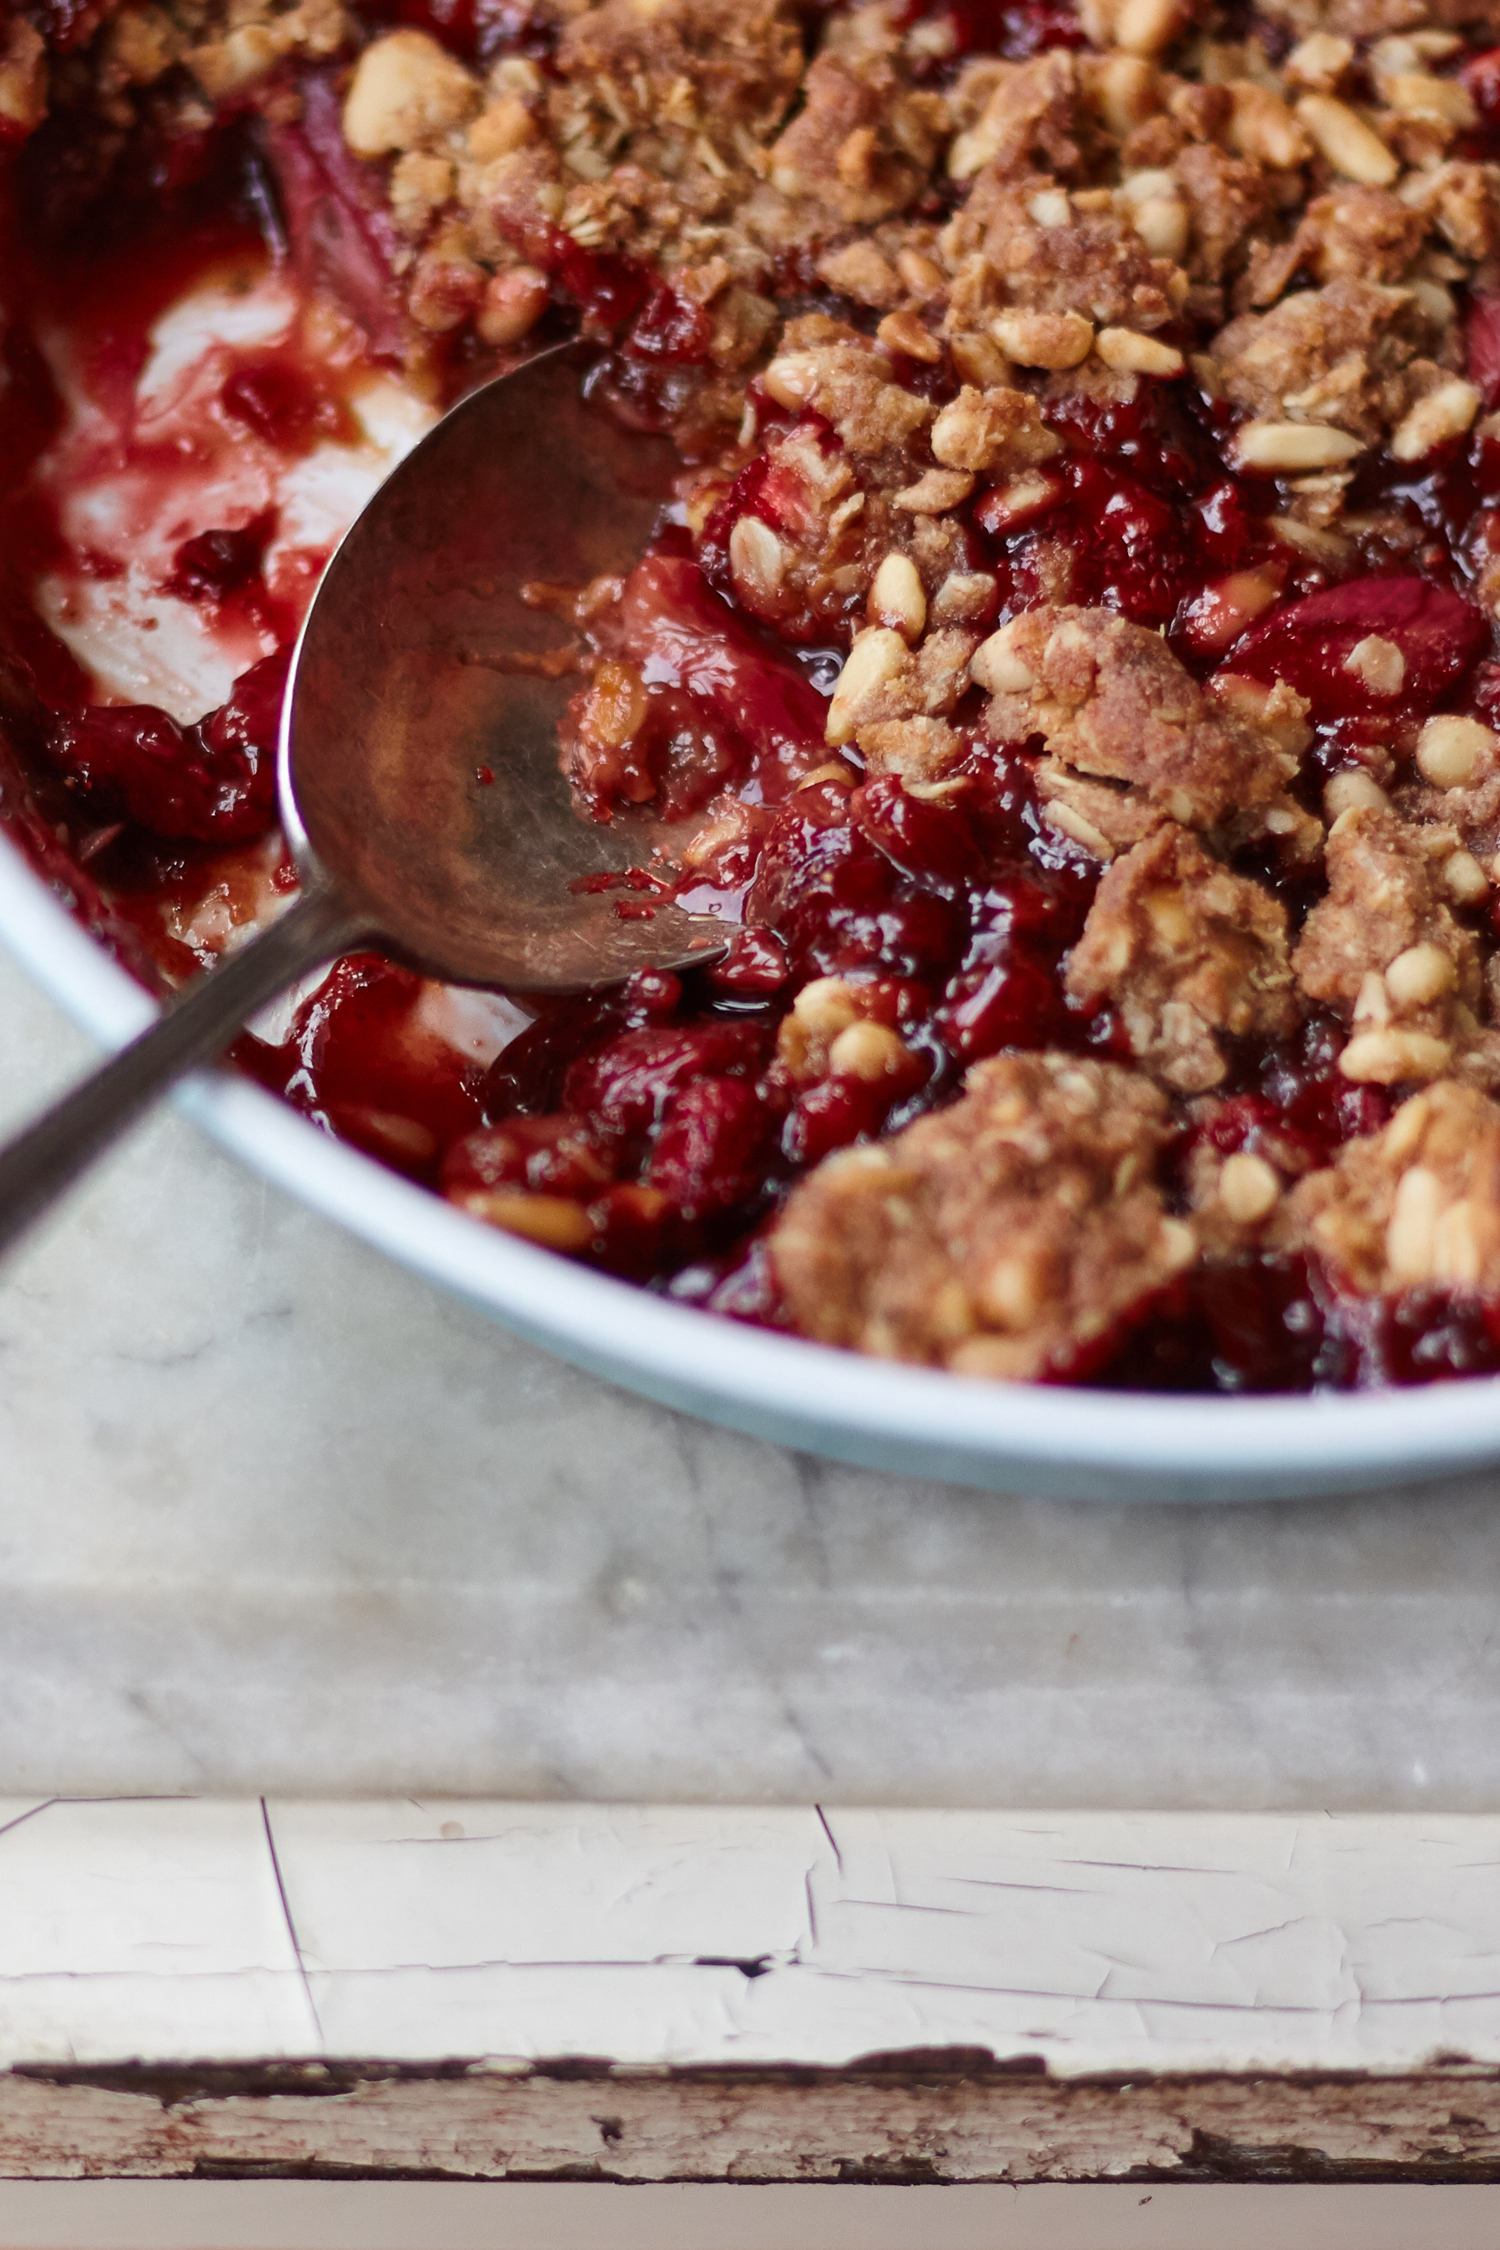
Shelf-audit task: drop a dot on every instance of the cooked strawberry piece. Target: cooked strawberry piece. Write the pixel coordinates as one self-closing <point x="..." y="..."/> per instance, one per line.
<point x="559" y="1155"/>
<point x="339" y="230"/>
<point x="1482" y="344"/>
<point x="214" y="782"/>
<point x="680" y="633"/>
<point x="919" y="840"/>
<point x="627" y="1085"/>
<point x="709" y="1154"/>
<point x="1312" y="644"/>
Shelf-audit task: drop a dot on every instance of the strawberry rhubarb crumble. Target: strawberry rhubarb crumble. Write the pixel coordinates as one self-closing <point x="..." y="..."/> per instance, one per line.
<point x="1069" y="662"/>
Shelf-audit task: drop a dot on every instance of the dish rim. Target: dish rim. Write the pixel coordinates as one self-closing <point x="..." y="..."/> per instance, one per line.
<point x="1088" y="1443"/>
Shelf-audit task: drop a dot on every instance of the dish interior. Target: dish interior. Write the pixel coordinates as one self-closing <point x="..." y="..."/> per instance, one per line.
<point x="1064" y="661"/>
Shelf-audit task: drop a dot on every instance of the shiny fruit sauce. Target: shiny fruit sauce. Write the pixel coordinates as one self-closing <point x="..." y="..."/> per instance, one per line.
<point x="658" y="1107"/>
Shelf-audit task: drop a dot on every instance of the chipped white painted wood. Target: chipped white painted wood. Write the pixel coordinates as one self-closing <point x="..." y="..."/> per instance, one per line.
<point x="176" y="1929"/>
<point x="643" y="1992"/>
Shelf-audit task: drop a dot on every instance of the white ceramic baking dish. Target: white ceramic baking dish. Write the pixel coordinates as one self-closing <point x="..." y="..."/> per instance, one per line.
<point x="1083" y="1444"/>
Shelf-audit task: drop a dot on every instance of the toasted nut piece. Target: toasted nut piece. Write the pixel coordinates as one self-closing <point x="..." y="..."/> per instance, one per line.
<point x="1435" y="299"/>
<point x="859" y="271"/>
<point x="1178" y="1241"/>
<point x="923" y="276"/>
<point x="1437" y="419"/>
<point x="935" y="492"/>
<point x="903" y="332"/>
<point x="1145" y="27"/>
<point x="969" y="152"/>
<point x="757" y="559"/>
<point x="1464" y="879"/>
<point x="406" y="91"/>
<point x="1356" y="791"/>
<point x="877" y="655"/>
<point x="1392" y="1057"/>
<point x="1143" y="187"/>
<point x="555" y="1221"/>
<point x="1456" y="1252"/>
<point x="995" y="666"/>
<point x="1010" y="504"/>
<point x="1292" y="446"/>
<point x="1227" y="605"/>
<point x="1051" y="340"/>
<point x="615" y="706"/>
<point x="978" y="359"/>
<point x="1418" y="93"/>
<point x="1263" y="129"/>
<point x="1379" y="664"/>
<point x="1016" y="1288"/>
<point x="1163" y="224"/>
<point x="514" y="301"/>
<point x="870" y="1051"/>
<point x="501" y="129"/>
<point x="1347" y="141"/>
<point x="1123" y="90"/>
<point x="897" y="598"/>
<point x="1132" y="354"/>
<point x="1329" y="547"/>
<point x="1319" y="62"/>
<point x="825" y="1007"/>
<point x="1421" y="974"/>
<point x="1248" y="1188"/>
<point x="965" y="597"/>
<point x="1409" y="1237"/>
<point x="790" y="380"/>
<point x="1374" y="1002"/>
<point x="1452" y="752"/>
<point x="1050" y="208"/>
<point x="839" y="775"/>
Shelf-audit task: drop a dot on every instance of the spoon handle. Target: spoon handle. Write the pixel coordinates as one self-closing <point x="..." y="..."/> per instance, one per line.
<point x="193" y="1028"/>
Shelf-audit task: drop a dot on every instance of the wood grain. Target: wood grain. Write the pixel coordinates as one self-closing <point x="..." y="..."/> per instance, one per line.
<point x="912" y="2119"/>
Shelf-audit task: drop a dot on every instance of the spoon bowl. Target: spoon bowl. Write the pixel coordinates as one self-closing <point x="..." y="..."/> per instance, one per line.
<point x="419" y="762"/>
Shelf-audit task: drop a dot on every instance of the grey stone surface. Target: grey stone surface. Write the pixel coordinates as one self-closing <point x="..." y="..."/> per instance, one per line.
<point x="276" y="1515"/>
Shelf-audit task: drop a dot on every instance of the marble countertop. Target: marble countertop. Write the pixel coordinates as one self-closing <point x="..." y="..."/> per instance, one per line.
<point x="277" y="1515"/>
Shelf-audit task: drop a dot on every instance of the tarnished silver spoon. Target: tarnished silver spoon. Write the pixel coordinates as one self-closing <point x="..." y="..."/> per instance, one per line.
<point x="419" y="780"/>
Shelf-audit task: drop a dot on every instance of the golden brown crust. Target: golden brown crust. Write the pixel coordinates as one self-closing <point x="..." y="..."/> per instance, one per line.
<point x="1352" y="355"/>
<point x="1185" y="951"/>
<point x="1417" y="1203"/>
<point x="1385" y="949"/>
<point x="1000" y="1237"/>
<point x="1129" y="738"/>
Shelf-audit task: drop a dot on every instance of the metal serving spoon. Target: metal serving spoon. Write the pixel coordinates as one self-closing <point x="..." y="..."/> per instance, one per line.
<point x="419" y="781"/>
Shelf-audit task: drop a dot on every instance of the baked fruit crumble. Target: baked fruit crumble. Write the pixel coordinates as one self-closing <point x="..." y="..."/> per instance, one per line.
<point x="1069" y="661"/>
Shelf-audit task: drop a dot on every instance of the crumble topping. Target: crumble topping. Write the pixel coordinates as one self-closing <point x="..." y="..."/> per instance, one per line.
<point x="1001" y="1237"/>
<point x="1130" y="740"/>
<point x="1185" y="950"/>
<point x="1352" y="357"/>
<point x="1385" y="948"/>
<point x="1417" y="1203"/>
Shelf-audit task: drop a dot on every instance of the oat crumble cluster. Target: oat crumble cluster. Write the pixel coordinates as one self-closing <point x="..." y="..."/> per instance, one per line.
<point x="1069" y="656"/>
